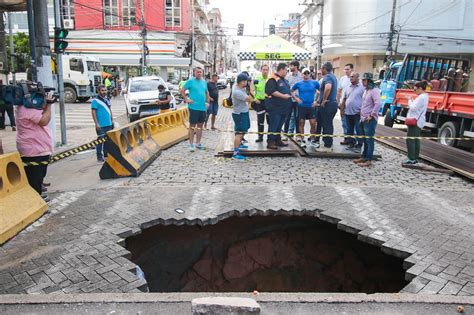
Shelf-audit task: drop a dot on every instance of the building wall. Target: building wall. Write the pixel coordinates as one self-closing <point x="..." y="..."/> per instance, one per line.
<point x="88" y="15"/>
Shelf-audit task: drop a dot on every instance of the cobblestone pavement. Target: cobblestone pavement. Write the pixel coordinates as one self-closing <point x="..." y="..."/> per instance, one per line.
<point x="425" y="218"/>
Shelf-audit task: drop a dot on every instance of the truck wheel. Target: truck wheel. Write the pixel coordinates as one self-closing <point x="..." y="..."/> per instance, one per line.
<point x="388" y="121"/>
<point x="83" y="99"/>
<point x="70" y="95"/>
<point x="449" y="129"/>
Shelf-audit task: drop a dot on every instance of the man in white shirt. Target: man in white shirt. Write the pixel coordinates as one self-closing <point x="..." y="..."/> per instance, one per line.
<point x="344" y="82"/>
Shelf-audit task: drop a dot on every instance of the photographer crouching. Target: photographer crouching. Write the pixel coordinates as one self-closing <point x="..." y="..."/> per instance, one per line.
<point x="34" y="141"/>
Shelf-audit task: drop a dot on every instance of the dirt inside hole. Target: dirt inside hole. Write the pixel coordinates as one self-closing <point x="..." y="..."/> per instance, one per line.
<point x="264" y="253"/>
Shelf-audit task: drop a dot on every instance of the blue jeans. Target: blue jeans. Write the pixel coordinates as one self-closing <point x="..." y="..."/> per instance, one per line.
<point x="353" y="128"/>
<point x="275" y="123"/>
<point x="290" y="121"/>
<point x="325" y="117"/>
<point x="345" y="127"/>
<point x="100" y="148"/>
<point x="367" y="128"/>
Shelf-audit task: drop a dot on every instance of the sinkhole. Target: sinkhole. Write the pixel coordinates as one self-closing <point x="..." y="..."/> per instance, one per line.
<point x="263" y="253"/>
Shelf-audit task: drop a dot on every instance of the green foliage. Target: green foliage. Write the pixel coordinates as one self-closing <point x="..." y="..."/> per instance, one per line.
<point x="22" y="50"/>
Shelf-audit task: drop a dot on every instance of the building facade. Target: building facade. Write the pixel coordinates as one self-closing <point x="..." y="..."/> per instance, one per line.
<point x="112" y="30"/>
<point x="358" y="31"/>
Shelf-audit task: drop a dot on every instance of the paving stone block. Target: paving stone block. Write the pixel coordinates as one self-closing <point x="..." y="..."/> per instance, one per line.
<point x="451" y="288"/>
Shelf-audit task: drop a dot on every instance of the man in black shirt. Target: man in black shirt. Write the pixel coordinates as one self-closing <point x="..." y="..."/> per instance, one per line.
<point x="164" y="99"/>
<point x="214" y="101"/>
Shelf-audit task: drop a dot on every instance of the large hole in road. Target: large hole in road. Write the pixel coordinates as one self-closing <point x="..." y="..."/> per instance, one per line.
<point x="263" y="253"/>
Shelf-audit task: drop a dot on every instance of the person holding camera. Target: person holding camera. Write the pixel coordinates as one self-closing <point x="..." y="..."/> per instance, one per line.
<point x="34" y="141"/>
<point x="103" y="119"/>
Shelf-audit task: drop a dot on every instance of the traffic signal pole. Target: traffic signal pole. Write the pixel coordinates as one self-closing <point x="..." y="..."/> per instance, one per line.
<point x="31" y="37"/>
<point x="60" y="79"/>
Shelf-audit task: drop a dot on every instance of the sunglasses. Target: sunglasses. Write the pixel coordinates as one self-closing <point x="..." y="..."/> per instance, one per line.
<point x="306" y="72"/>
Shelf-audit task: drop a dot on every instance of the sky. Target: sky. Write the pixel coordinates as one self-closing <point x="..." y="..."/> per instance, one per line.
<point x="254" y="14"/>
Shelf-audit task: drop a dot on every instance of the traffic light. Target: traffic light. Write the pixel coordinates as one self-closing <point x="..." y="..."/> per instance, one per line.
<point x="240" y="30"/>
<point x="272" y="29"/>
<point x="60" y="44"/>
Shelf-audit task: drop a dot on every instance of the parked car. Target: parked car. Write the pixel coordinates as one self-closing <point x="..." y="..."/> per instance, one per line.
<point x="141" y="94"/>
<point x="222" y="82"/>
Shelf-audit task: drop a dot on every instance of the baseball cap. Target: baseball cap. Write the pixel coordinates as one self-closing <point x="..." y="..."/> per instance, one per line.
<point x="306" y="70"/>
<point x="242" y="77"/>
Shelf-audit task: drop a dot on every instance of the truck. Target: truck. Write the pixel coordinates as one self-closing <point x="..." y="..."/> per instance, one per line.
<point x="82" y="75"/>
<point x="450" y="112"/>
<point x="434" y="69"/>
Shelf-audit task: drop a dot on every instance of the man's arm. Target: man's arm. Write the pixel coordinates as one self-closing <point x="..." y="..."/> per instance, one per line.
<point x="46" y="116"/>
<point x="327" y="91"/>
<point x="185" y="97"/>
<point x="96" y="121"/>
<point x="281" y="95"/>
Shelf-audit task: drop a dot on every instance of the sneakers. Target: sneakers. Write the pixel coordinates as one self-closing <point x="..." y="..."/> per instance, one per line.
<point x="191" y="147"/>
<point x="325" y="149"/>
<point x="13" y="128"/>
<point x="284" y="138"/>
<point x="315" y="144"/>
<point x="199" y="146"/>
<point x="281" y="144"/>
<point x="101" y="160"/>
<point x="243" y="146"/>
<point x="259" y="140"/>
<point x="345" y="142"/>
<point x="299" y="139"/>
<point x="410" y="162"/>
<point x="45" y="198"/>
<point x="244" y="140"/>
<point x="238" y="157"/>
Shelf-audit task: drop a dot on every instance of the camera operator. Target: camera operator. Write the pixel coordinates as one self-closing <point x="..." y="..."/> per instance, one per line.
<point x="34" y="142"/>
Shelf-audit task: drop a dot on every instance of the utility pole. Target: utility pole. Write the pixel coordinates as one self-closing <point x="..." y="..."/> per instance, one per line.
<point x="3" y="51"/>
<point x="60" y="80"/>
<point x="12" y="48"/>
<point x="215" y="50"/>
<point x="31" y="39"/>
<point x="143" y="33"/>
<point x="42" y="45"/>
<point x="320" y="42"/>
<point x="192" y="39"/>
<point x="389" y="52"/>
<point x="298" y="41"/>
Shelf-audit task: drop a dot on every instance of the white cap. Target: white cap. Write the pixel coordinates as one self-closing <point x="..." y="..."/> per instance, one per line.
<point x="306" y="70"/>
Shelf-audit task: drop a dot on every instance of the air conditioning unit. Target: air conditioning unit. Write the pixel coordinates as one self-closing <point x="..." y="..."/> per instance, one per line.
<point x="68" y="24"/>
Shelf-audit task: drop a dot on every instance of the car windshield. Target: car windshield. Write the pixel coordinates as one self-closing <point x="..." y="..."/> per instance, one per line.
<point x="145" y="85"/>
<point x="93" y="66"/>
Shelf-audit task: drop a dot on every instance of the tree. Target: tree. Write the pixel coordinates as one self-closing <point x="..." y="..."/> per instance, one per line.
<point x="22" y="50"/>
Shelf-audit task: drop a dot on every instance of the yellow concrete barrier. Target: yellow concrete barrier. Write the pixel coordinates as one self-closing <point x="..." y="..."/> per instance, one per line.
<point x="130" y="150"/>
<point x="169" y="128"/>
<point x="20" y="205"/>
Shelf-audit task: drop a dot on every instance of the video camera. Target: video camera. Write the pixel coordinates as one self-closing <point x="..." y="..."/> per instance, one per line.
<point x="27" y="93"/>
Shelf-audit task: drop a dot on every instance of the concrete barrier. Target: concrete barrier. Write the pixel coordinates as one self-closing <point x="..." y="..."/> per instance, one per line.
<point x="130" y="150"/>
<point x="169" y="128"/>
<point x="20" y="205"/>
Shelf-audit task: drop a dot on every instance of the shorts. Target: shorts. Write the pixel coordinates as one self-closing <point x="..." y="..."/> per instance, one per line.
<point x="213" y="108"/>
<point x="197" y="116"/>
<point x="242" y="122"/>
<point x="305" y="113"/>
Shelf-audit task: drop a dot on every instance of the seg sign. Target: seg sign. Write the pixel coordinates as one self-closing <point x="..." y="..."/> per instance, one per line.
<point x="274" y="56"/>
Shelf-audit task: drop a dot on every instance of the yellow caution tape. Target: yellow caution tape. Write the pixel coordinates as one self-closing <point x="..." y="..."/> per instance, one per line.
<point x="68" y="153"/>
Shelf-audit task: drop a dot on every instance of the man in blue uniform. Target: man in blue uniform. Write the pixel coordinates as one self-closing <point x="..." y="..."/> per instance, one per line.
<point x="278" y="105"/>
